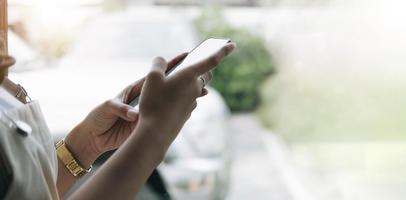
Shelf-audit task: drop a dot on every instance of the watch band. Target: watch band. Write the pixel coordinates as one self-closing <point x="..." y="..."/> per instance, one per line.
<point x="69" y="161"/>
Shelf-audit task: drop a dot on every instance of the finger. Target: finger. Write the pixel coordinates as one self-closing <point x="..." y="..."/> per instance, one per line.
<point x="194" y="105"/>
<point x="159" y="66"/>
<point x="122" y="110"/>
<point x="175" y="61"/>
<point x="132" y="91"/>
<point x="136" y="89"/>
<point x="207" y="77"/>
<point x="201" y="81"/>
<point x="204" y="92"/>
<point x="132" y="114"/>
<point x="212" y="61"/>
<point x="137" y="85"/>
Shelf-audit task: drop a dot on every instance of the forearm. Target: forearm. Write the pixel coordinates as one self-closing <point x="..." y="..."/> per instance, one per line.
<point x="127" y="170"/>
<point x="76" y="142"/>
<point x="65" y="179"/>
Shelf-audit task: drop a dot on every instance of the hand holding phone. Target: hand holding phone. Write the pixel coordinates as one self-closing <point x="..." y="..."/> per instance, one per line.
<point x="199" y="54"/>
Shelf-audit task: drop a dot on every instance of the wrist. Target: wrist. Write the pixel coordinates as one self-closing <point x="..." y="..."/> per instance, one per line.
<point x="147" y="136"/>
<point x="156" y="132"/>
<point x="82" y="147"/>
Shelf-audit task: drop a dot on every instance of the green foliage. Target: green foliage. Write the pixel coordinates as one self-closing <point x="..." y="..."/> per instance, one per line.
<point x="240" y="75"/>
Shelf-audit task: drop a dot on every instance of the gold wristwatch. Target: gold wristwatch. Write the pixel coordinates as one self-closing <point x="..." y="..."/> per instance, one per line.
<point x="69" y="161"/>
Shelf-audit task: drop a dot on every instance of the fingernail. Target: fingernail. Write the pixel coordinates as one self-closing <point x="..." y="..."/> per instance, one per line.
<point x="132" y="114"/>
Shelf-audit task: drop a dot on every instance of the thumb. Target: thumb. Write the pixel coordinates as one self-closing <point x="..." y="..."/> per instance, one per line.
<point x="122" y="110"/>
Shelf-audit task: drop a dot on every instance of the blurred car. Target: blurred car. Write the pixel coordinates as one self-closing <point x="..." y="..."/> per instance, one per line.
<point x="111" y="53"/>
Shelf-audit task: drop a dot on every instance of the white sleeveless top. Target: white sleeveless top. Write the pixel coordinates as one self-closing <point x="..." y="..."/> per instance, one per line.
<point x="32" y="158"/>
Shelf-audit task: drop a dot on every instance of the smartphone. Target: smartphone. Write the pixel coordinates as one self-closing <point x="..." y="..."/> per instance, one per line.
<point x="199" y="53"/>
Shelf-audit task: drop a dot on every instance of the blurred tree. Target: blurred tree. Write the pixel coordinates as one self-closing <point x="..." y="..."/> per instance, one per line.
<point x="240" y="75"/>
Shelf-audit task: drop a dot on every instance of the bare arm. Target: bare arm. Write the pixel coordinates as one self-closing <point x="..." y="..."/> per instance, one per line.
<point x="77" y="143"/>
<point x="124" y="174"/>
<point x="165" y="105"/>
<point x="123" y="165"/>
<point x="104" y="129"/>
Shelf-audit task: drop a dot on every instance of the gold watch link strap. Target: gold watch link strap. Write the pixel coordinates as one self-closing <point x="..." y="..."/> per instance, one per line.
<point x="69" y="161"/>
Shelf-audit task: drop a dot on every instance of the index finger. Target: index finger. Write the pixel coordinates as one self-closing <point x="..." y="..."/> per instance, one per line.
<point x="159" y="66"/>
<point x="131" y="91"/>
<point x="211" y="62"/>
<point x="176" y="60"/>
<point x="134" y="90"/>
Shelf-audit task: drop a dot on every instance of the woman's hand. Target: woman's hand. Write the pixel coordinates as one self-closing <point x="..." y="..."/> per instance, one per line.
<point x="108" y="125"/>
<point x="168" y="101"/>
<point x="165" y="104"/>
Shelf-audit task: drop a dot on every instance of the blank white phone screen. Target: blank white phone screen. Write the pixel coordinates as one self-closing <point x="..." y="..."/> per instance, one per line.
<point x="201" y="52"/>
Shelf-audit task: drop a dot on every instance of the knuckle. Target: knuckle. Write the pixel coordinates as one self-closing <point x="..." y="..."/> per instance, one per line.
<point x="153" y="75"/>
<point x="109" y="103"/>
<point x="122" y="108"/>
<point x="214" y="61"/>
<point x="113" y="104"/>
